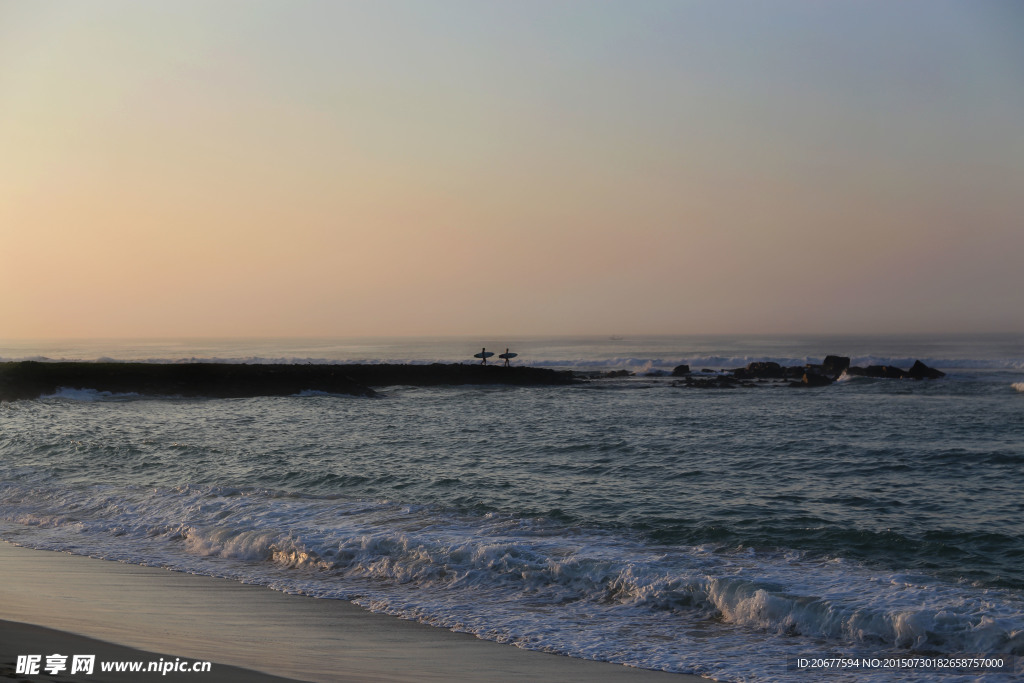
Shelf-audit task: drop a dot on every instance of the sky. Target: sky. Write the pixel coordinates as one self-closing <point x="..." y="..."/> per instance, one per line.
<point x="530" y="167"/>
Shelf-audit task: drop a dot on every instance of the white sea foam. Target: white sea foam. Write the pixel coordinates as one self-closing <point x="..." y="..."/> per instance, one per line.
<point x="1019" y="386"/>
<point x="525" y="581"/>
<point x="733" y="615"/>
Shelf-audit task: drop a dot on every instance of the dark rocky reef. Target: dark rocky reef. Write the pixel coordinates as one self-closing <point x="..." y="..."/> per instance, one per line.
<point x="813" y="379"/>
<point x="918" y="371"/>
<point x="767" y="373"/>
<point x="833" y="366"/>
<point x="921" y="371"/>
<point x="877" y="371"/>
<point x="30" y="379"/>
<point x="586" y="375"/>
<point x="713" y="382"/>
<point x="761" y="370"/>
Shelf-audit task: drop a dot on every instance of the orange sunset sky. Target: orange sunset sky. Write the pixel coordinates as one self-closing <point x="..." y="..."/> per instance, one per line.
<point x="527" y="167"/>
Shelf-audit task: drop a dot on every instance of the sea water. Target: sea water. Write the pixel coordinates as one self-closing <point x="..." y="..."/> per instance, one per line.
<point x="723" y="532"/>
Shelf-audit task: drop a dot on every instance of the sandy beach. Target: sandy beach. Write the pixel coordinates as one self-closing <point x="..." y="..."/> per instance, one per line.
<point x="51" y="600"/>
<point x="18" y="638"/>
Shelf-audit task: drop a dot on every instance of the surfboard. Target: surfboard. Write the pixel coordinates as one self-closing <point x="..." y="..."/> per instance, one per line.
<point x="507" y="356"/>
<point x="483" y="354"/>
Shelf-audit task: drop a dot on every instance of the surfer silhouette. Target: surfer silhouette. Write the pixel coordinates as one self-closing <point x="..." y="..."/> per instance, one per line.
<point x="483" y="355"/>
<point x="507" y="357"/>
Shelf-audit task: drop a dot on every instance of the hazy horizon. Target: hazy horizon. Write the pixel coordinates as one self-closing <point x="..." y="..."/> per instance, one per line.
<point x="495" y="337"/>
<point x="301" y="170"/>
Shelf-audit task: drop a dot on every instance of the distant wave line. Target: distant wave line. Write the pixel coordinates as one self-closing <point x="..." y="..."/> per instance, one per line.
<point x="635" y="363"/>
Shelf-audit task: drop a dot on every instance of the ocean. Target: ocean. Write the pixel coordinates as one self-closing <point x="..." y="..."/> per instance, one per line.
<point x="722" y="532"/>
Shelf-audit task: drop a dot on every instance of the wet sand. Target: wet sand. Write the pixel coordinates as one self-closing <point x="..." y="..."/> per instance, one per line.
<point x="199" y="618"/>
<point x="18" y="638"/>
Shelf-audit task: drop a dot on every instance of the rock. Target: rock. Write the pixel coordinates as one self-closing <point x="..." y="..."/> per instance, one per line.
<point x="719" y="382"/>
<point x="921" y="371"/>
<point x="813" y="379"/>
<point x="760" y="369"/>
<point x="883" y="371"/>
<point x="681" y="370"/>
<point x="918" y="371"/>
<point x="835" y="365"/>
<point x="587" y="375"/>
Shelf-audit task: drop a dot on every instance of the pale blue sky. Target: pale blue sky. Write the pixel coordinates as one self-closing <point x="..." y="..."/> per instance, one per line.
<point x="220" y="168"/>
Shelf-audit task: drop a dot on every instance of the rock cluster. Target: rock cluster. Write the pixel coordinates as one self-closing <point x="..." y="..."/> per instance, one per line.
<point x="804" y="376"/>
<point x="29" y="379"/>
<point x="917" y="371"/>
<point x="681" y="371"/>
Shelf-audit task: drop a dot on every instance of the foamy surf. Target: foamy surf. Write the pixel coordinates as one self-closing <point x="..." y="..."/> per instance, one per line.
<point x="527" y="582"/>
<point x="720" y="533"/>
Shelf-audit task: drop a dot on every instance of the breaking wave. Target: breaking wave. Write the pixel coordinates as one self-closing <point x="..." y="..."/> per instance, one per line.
<point x="72" y="394"/>
<point x="523" y="581"/>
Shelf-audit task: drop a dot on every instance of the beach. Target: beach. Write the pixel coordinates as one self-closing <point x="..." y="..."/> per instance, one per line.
<point x="249" y="632"/>
<point x="548" y="341"/>
<point x="22" y="638"/>
<point x="628" y="525"/>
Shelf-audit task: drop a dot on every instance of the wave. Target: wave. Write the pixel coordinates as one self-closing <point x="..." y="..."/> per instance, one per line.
<point x="1019" y="386"/>
<point x="71" y="394"/>
<point x="524" y="581"/>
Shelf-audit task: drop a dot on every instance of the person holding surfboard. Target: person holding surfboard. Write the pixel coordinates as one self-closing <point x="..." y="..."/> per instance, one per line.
<point x="484" y="355"/>
<point x="507" y="357"/>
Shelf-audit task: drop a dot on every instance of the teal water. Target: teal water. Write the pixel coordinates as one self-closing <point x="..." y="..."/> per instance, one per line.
<point x="719" y="532"/>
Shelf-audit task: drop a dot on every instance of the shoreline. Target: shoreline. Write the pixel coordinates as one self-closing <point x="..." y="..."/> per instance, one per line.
<point x="145" y="610"/>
